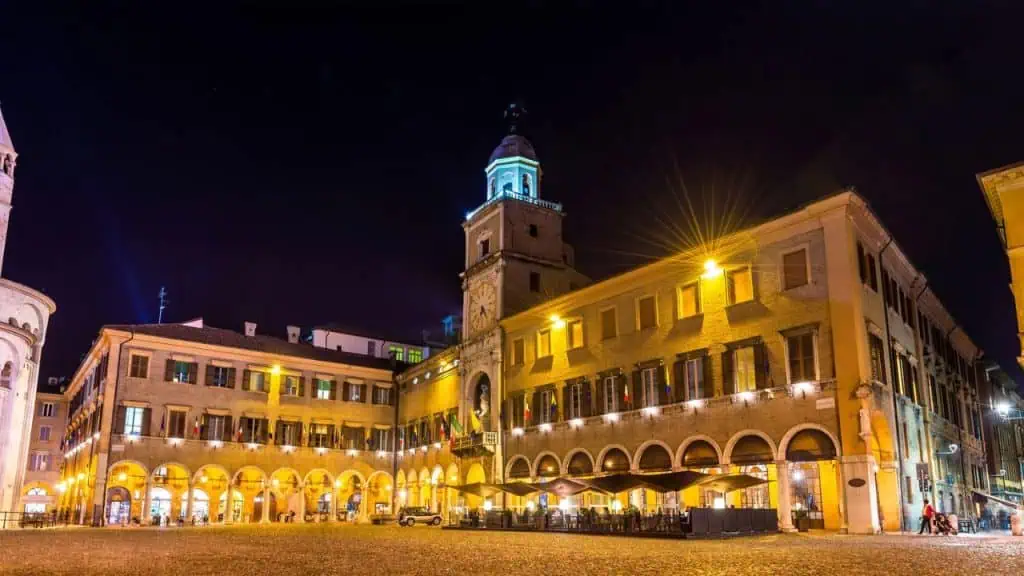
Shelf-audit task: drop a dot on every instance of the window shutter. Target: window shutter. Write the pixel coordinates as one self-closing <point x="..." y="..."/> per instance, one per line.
<point x="119" y="419"/>
<point x="147" y="416"/>
<point x="209" y="375"/>
<point x="346" y="391"/>
<point x="761" y="368"/>
<point x="263" y="430"/>
<point x="861" y="268"/>
<point x="705" y="385"/>
<point x="334" y="390"/>
<point x="302" y="386"/>
<point x="535" y="416"/>
<point x="635" y="394"/>
<point x="169" y="370"/>
<point x="231" y="378"/>
<point x="246" y="377"/>
<point x="664" y="395"/>
<point x="587" y="405"/>
<point x="755" y="281"/>
<point x="229" y="429"/>
<point x="202" y="428"/>
<point x="363" y="394"/>
<point x="728" y="384"/>
<point x="566" y="390"/>
<point x="679" y="380"/>
<point x="193" y="372"/>
<point x="599" y="409"/>
<point x="279" y="433"/>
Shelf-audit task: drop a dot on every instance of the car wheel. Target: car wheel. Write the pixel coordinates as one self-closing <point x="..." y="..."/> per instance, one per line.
<point x="436" y="521"/>
<point x="410" y="522"/>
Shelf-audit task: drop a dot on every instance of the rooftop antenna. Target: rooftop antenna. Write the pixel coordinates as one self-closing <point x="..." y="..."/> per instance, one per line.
<point x="162" y="294"/>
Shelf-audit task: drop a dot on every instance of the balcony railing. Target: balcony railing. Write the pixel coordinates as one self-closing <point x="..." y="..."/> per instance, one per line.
<point x="125" y="440"/>
<point x="475" y="445"/>
<point x="520" y="197"/>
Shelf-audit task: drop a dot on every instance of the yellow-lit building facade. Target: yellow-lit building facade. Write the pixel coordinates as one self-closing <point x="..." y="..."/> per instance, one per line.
<point x="1004" y="193"/>
<point x="188" y="423"/>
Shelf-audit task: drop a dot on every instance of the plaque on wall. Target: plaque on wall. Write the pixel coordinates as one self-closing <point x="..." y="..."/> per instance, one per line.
<point x="857" y="482"/>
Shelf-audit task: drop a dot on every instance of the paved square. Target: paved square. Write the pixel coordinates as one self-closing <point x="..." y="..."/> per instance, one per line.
<point x="323" y="549"/>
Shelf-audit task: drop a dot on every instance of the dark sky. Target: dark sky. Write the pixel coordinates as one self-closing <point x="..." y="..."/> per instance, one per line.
<point x="297" y="166"/>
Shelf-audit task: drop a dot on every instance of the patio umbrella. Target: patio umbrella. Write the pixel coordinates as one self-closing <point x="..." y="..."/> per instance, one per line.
<point x="479" y="489"/>
<point x="731" y="482"/>
<point x="615" y="483"/>
<point x="518" y="488"/>
<point x="563" y="487"/>
<point x="672" y="481"/>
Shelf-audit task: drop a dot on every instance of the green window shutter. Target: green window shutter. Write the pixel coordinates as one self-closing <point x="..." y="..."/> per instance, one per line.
<point x="147" y="416"/>
<point x="246" y="377"/>
<point x="365" y="396"/>
<point x="209" y="375"/>
<point x="334" y="390"/>
<point x="169" y="370"/>
<point x="728" y="384"/>
<point x="346" y="391"/>
<point x="231" y="378"/>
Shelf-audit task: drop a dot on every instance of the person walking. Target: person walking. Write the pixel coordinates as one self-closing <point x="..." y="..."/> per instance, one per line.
<point x="926" y="517"/>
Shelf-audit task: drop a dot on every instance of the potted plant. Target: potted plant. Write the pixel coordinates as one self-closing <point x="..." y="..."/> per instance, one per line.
<point x="801" y="520"/>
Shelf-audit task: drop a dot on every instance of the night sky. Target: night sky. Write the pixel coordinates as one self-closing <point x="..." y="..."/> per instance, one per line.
<point x="292" y="166"/>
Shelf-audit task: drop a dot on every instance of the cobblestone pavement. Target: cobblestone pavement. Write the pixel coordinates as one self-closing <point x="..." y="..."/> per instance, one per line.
<point x="323" y="549"/>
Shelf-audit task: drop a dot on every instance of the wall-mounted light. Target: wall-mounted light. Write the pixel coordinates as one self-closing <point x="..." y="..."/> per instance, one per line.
<point x="545" y="427"/>
<point x="611" y="417"/>
<point x="216" y="443"/>
<point x="517" y="431"/>
<point x="275" y="369"/>
<point x="576" y="422"/>
<point x="437" y="445"/>
<point x="321" y="450"/>
<point x="746" y="397"/>
<point x="122" y="477"/>
<point x="556" y="321"/>
<point x="353" y="453"/>
<point x="803" y="388"/>
<point x="711" y="269"/>
<point x="651" y="411"/>
<point x="382" y="454"/>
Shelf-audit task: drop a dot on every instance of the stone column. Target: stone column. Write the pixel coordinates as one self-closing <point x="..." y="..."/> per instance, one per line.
<point x="145" y="516"/>
<point x="265" y="512"/>
<point x="841" y="496"/>
<point x="861" y="494"/>
<point x="189" y="503"/>
<point x="302" y="503"/>
<point x="228" y="506"/>
<point x="785" y="519"/>
<point x="334" y="504"/>
<point x="362" y="516"/>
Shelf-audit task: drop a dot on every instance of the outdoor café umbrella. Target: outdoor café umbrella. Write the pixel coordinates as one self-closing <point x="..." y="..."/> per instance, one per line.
<point x="615" y="483"/>
<point x="479" y="489"/>
<point x="518" y="488"/>
<point x="730" y="482"/>
<point x="562" y="487"/>
<point x="672" y="481"/>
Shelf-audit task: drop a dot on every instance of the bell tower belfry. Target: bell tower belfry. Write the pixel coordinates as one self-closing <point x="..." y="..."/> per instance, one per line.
<point x="8" y="159"/>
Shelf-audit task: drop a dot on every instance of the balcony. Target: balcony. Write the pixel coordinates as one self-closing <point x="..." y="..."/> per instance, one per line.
<point x="475" y="445"/>
<point x="555" y="206"/>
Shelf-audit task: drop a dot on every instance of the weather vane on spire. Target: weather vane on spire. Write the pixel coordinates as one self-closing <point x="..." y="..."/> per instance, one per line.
<point x="514" y="115"/>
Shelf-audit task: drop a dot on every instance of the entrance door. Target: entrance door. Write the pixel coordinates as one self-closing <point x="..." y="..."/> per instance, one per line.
<point x="160" y="505"/>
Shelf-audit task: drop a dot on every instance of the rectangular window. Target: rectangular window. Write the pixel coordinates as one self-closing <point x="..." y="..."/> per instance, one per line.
<point x="518" y="352"/>
<point x="371" y="348"/>
<point x="215" y="427"/>
<point x="40" y="462"/>
<point x="44" y="433"/>
<point x="608" y="326"/>
<point x="862" y="266"/>
<point x="740" y="285"/>
<point x="289" y="385"/>
<point x="575" y="407"/>
<point x="877" y="355"/>
<point x="176" y="424"/>
<point x="533" y="230"/>
<point x="693" y="373"/>
<point x="355" y="392"/>
<point x="575" y="334"/>
<point x="184" y="372"/>
<point x="647" y="313"/>
<point x="744" y="369"/>
<point x="139" y="366"/>
<point x="794" y="269"/>
<point x="258" y="381"/>
<point x="543" y="343"/>
<point x="872" y="273"/>
<point x="415" y="356"/>
<point x="649" y="386"/>
<point x="381" y="396"/>
<point x="689" y="300"/>
<point x="133" y="420"/>
<point x="288" y="433"/>
<point x="323" y="389"/>
<point x="485" y="247"/>
<point x="381" y="438"/>
<point x="253" y="430"/>
<point x="396" y="352"/>
<point x="47" y="410"/>
<point x="611" y="396"/>
<point x="221" y="377"/>
<point x="548" y="406"/>
<point x="518" y="411"/>
<point x="320" y="435"/>
<point x="801" y="358"/>
<point x="534" y="281"/>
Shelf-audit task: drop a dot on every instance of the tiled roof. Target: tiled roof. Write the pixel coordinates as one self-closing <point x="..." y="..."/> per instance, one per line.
<point x="258" y="343"/>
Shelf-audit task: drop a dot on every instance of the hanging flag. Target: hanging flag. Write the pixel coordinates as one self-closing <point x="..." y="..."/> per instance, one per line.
<point x="527" y="417"/>
<point x="553" y="408"/>
<point x="162" y="421"/>
<point x="238" y="431"/>
<point x="195" y="429"/>
<point x="455" y="424"/>
<point x="474" y="422"/>
<point x="625" y="393"/>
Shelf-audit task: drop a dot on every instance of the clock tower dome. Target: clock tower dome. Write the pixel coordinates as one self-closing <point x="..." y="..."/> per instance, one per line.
<point x="515" y="256"/>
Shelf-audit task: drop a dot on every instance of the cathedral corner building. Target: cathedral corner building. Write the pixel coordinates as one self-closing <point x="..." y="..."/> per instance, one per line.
<point x="807" y="351"/>
<point x="24" y="314"/>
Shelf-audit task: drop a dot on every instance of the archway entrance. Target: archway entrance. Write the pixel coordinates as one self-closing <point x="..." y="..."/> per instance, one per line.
<point x="813" y="478"/>
<point x="160" y="506"/>
<point x="200" y="506"/>
<point x="119" y="506"/>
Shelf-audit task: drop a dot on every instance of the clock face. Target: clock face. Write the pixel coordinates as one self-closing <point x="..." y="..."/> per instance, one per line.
<point x="483" y="303"/>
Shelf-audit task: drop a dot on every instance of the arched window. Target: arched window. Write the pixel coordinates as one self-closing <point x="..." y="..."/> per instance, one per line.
<point x="36" y="492"/>
<point x="526" y="184"/>
<point x="493" y="189"/>
<point x="506" y="183"/>
<point x="5" y="376"/>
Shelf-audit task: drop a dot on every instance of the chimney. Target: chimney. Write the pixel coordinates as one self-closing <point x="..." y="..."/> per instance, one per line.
<point x="250" y="328"/>
<point x="293" y="334"/>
